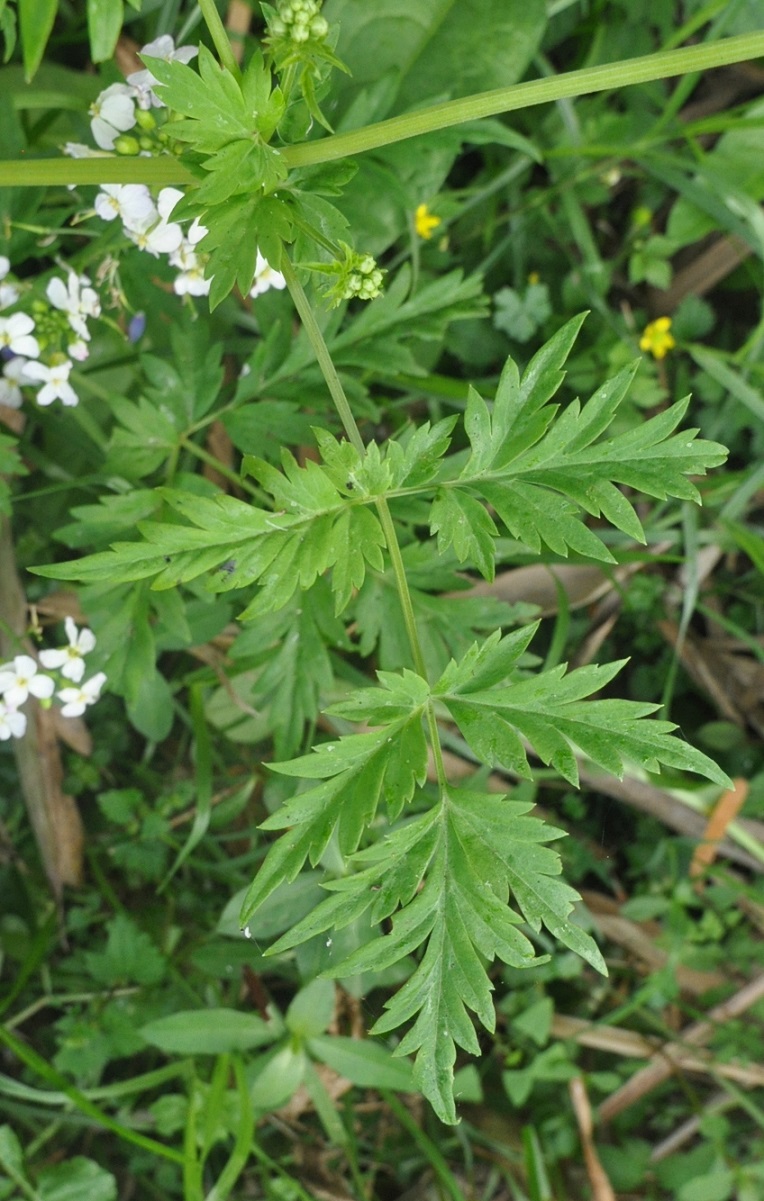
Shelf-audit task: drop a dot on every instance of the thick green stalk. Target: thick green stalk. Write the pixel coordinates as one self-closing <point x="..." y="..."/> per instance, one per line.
<point x="219" y="37"/>
<point x="102" y="168"/>
<point x="610" y="76"/>
<point x="329" y="372"/>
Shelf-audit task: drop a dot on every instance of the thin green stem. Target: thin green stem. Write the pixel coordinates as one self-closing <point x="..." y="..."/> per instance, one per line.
<point x="39" y="1065"/>
<point x="329" y="371"/>
<point x="426" y="1146"/>
<point x="216" y="465"/>
<point x="219" y="37"/>
<point x="404" y="594"/>
<point x="615" y="76"/>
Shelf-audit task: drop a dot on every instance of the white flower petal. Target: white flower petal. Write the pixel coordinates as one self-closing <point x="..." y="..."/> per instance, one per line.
<point x="104" y="135"/>
<point x="41" y="686"/>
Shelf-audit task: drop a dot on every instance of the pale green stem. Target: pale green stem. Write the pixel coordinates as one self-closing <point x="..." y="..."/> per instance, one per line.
<point x="609" y="76"/>
<point x="102" y="168"/>
<point x="219" y="37"/>
<point x="167" y="170"/>
<point x="221" y="468"/>
<point x="334" y="384"/>
<point x="328" y="370"/>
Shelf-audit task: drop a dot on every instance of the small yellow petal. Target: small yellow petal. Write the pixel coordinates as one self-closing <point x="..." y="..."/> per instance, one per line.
<point x="656" y="339"/>
<point x="425" y="221"/>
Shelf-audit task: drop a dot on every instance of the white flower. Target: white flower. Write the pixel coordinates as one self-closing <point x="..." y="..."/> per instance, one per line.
<point x="113" y="113"/>
<point x="157" y="237"/>
<point x="167" y="200"/>
<point x="80" y="150"/>
<point x="12" y="724"/>
<point x="16" y="334"/>
<point x="196" y="231"/>
<point x="75" y="299"/>
<point x="10" y="384"/>
<point x="131" y="202"/>
<point x="192" y="283"/>
<point x="76" y="700"/>
<point x="191" y="280"/>
<point x="9" y="293"/>
<point x="143" y="82"/>
<point x="265" y="277"/>
<point x="55" y="381"/>
<point x="78" y="350"/>
<point x="70" y="658"/>
<point x="19" y="678"/>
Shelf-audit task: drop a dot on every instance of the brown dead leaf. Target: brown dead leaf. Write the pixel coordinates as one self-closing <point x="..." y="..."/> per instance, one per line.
<point x="12" y="419"/>
<point x="639" y="939"/>
<point x="237" y="23"/>
<point x="724" y="811"/>
<point x="602" y="1189"/>
<point x="54" y="816"/>
<point x="628" y="1044"/>
<point x="220" y="446"/>
<point x="733" y="682"/>
<point x="535" y="584"/>
<point x="674" y="1056"/>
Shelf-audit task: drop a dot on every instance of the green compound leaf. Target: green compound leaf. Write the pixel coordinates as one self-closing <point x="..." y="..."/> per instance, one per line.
<point x="281" y="551"/>
<point x="226" y="126"/>
<point x="541" y="469"/>
<point x="217" y="110"/>
<point x="357" y="772"/>
<point x="549" y="710"/>
<point x="448" y="880"/>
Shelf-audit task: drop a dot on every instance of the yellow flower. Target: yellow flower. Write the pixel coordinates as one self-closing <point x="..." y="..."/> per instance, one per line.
<point x="657" y="338"/>
<point x="425" y="221"/>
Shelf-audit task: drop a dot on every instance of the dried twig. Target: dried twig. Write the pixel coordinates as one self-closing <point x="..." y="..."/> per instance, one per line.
<point x="674" y="1056"/>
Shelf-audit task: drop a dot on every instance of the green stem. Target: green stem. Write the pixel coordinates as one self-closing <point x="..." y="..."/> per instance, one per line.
<point x="216" y="465"/>
<point x="615" y="76"/>
<point x="168" y="170"/>
<point x="219" y="37"/>
<point x="107" y="168"/>
<point x="329" y="372"/>
<point x="39" y="1065"/>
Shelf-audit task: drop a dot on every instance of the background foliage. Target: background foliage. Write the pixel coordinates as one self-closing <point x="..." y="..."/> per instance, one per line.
<point x="632" y="207"/>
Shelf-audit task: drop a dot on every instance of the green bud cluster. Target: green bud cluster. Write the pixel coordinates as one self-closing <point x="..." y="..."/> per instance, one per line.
<point x="365" y="281"/>
<point x="300" y="21"/>
<point x="355" y="277"/>
<point x="52" y="329"/>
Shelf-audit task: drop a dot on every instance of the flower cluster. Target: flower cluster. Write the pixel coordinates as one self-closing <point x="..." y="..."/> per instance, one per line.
<point x="122" y="120"/>
<point x="37" y="351"/>
<point x="22" y="678"/>
<point x="298" y="20"/>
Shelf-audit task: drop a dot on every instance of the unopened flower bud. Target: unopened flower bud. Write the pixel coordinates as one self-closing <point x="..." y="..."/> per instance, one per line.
<point x="319" y="27"/>
<point x="145" y="120"/>
<point x="126" y="144"/>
